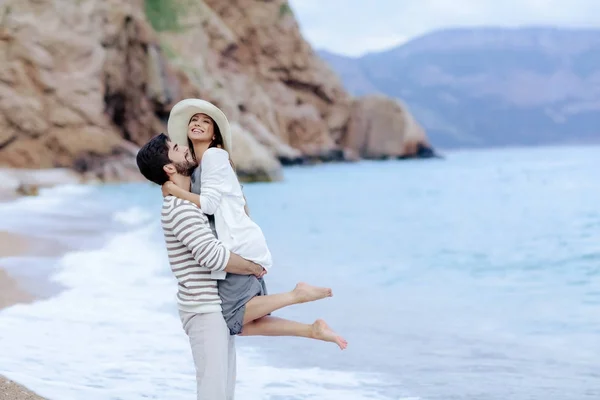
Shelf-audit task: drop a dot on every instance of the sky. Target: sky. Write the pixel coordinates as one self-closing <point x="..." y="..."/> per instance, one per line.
<point x="352" y="28"/>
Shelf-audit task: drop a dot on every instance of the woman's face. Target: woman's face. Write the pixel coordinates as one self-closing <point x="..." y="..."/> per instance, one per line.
<point x="201" y="128"/>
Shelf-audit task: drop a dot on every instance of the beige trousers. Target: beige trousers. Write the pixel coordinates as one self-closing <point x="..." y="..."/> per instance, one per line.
<point x="213" y="350"/>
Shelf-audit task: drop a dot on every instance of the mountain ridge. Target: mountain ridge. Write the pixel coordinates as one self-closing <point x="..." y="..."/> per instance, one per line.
<point x="489" y="86"/>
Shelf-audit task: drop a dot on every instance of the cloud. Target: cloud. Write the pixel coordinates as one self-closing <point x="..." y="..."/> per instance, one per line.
<point x="351" y="27"/>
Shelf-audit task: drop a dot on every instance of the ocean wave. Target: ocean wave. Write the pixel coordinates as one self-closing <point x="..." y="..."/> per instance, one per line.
<point x="49" y="197"/>
<point x="113" y="333"/>
<point x="132" y="216"/>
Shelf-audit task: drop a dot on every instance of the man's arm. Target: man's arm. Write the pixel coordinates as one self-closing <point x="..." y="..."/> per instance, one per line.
<point x="192" y="229"/>
<point x="214" y="179"/>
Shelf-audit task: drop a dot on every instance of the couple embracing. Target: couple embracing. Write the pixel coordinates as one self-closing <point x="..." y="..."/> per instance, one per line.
<point x="218" y="255"/>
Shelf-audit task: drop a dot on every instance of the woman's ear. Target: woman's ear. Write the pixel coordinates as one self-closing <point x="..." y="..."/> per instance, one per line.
<point x="170" y="169"/>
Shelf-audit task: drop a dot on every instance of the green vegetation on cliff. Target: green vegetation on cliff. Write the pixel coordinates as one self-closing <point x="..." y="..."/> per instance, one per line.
<point x="164" y="14"/>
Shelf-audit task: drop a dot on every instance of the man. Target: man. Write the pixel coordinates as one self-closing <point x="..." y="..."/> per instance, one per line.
<point x="194" y="252"/>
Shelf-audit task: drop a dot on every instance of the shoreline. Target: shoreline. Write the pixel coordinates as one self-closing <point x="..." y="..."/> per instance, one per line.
<point x="15" y="290"/>
<point x="21" y="281"/>
<point x="11" y="290"/>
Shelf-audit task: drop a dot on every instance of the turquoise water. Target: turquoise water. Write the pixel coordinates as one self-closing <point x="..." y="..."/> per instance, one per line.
<point x="473" y="277"/>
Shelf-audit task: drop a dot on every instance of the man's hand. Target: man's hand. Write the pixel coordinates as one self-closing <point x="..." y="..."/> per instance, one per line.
<point x="259" y="271"/>
<point x="167" y="188"/>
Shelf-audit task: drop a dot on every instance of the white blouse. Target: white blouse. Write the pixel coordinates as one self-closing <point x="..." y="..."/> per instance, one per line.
<point x="221" y="195"/>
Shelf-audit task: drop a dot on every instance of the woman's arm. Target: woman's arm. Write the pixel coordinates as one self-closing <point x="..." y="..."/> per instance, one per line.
<point x="215" y="179"/>
<point x="169" y="188"/>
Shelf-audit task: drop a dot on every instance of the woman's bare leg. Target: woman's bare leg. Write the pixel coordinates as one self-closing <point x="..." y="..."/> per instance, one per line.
<point x="260" y="306"/>
<point x="274" y="326"/>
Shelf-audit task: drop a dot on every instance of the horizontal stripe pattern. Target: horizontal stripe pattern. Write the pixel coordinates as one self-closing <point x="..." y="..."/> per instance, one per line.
<point x="193" y="253"/>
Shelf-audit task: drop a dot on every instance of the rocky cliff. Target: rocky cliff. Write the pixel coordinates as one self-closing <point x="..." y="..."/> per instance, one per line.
<point x="84" y="82"/>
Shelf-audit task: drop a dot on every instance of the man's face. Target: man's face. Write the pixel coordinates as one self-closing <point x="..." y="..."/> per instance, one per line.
<point x="182" y="159"/>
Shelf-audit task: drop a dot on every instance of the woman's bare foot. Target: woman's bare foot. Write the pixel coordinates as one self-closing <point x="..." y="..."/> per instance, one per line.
<point x="304" y="293"/>
<point x="322" y="331"/>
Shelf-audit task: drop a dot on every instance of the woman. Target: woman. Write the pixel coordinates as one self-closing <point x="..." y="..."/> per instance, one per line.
<point x="246" y="306"/>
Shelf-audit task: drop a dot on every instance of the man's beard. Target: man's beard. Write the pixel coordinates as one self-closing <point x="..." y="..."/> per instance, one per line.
<point x="185" y="168"/>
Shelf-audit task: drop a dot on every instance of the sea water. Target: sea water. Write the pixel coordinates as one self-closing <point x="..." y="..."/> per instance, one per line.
<point x="472" y="277"/>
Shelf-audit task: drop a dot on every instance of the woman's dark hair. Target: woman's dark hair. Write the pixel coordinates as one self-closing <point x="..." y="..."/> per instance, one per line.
<point x="218" y="140"/>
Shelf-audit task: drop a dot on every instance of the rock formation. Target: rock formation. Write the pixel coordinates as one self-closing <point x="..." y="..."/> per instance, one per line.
<point x="382" y="128"/>
<point x="97" y="79"/>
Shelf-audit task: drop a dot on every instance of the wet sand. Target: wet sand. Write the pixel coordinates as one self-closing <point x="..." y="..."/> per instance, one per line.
<point x="11" y="292"/>
<point x="12" y="289"/>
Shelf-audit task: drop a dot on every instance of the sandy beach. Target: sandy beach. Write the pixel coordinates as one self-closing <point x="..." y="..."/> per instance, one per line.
<point x="11" y="292"/>
<point x="14" y="292"/>
<point x="10" y="390"/>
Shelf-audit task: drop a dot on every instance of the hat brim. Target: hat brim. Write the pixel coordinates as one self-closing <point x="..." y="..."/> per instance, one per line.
<point x="182" y="112"/>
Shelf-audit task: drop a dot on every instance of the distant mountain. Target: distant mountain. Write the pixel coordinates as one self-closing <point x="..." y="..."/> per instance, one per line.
<point x="490" y="86"/>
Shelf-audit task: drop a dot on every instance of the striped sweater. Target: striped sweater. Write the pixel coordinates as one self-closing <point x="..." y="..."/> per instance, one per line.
<point x="194" y="252"/>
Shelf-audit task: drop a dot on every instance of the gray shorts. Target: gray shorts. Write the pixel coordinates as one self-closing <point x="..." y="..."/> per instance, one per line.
<point x="235" y="291"/>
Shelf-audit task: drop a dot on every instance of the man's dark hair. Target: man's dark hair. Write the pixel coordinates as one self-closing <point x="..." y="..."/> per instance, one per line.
<point x="152" y="158"/>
